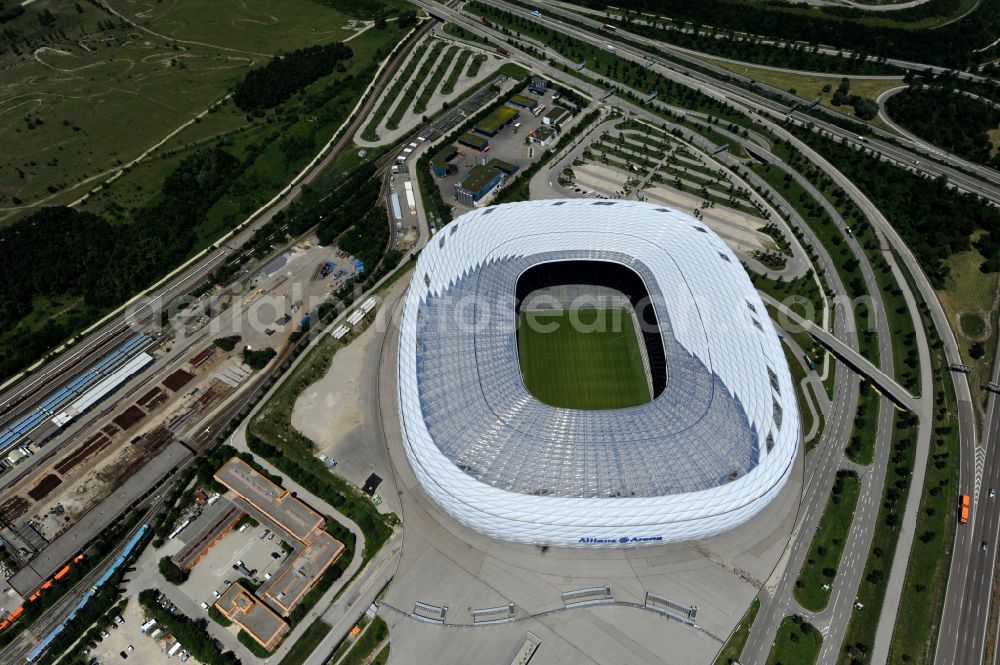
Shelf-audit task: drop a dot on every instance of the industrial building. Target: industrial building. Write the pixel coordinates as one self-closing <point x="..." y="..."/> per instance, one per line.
<point x="477" y="185"/>
<point x="137" y="488"/>
<point x="523" y="102"/>
<point x="494" y="122"/>
<point x="712" y="447"/>
<point x="239" y="605"/>
<point x="555" y="116"/>
<point x="500" y="165"/>
<point x="78" y="395"/>
<point x="470" y="140"/>
<point x="543" y="136"/>
<point x="441" y="161"/>
<point x="217" y="520"/>
<point x="538" y="86"/>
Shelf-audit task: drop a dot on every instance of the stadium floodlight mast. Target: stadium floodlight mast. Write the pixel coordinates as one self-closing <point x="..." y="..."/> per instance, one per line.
<point x="713" y="445"/>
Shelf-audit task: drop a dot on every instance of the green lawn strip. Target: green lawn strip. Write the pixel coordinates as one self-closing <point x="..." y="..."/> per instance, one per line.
<point x="269" y="154"/>
<point x="307" y="643"/>
<point x="432" y="84"/>
<point x="600" y="61"/>
<point x="860" y="635"/>
<point x="915" y="636"/>
<point x="403" y="103"/>
<point x="861" y="446"/>
<point x="252" y="645"/>
<point x="476" y="63"/>
<point x="734" y="646"/>
<point x="798" y="374"/>
<point x="519" y="190"/>
<point x="808" y="301"/>
<point x="271" y="435"/>
<point x="393" y="94"/>
<point x="191" y="632"/>
<point x="582" y="359"/>
<point x="820" y="567"/>
<point x="360" y="650"/>
<point x="456" y="72"/>
<point x="797" y="643"/>
<point x="383" y="656"/>
<point x="465" y="35"/>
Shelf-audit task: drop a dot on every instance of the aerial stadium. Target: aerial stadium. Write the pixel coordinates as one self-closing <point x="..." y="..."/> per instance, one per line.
<point x="586" y="373"/>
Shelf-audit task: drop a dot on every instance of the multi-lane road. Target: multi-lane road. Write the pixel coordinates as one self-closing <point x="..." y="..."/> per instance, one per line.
<point x="964" y="626"/>
<point x="966" y="418"/>
<point x="983" y="181"/>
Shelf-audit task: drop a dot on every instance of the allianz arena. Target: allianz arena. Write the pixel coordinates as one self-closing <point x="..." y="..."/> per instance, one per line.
<point x="711" y="449"/>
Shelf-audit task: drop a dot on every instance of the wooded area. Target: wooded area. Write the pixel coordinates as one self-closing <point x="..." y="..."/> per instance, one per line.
<point x="948" y="119"/>
<point x="267" y="86"/>
<point x="935" y="220"/>
<point x="60" y="251"/>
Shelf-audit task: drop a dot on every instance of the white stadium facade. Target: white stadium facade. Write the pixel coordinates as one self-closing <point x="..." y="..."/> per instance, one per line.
<point x="711" y="449"/>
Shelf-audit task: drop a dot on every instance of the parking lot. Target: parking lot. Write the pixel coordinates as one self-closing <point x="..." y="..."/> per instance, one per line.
<point x="145" y="648"/>
<point x="210" y="576"/>
<point x="509" y="145"/>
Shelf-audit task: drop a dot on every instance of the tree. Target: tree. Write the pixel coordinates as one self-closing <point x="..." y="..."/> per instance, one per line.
<point x="171" y="572"/>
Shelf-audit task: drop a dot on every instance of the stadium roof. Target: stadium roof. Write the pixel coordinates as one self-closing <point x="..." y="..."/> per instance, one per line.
<point x="709" y="452"/>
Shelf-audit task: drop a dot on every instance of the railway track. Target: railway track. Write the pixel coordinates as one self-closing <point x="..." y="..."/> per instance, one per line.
<point x="26" y="394"/>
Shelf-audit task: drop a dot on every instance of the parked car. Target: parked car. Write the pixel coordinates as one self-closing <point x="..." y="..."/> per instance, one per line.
<point x="204" y="606"/>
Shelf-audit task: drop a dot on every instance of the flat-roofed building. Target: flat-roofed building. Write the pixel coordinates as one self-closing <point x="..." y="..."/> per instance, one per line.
<point x="273" y="500"/>
<point x="217" y="520"/>
<point x="260" y="622"/>
<point x="287" y="587"/>
<point x="313" y="549"/>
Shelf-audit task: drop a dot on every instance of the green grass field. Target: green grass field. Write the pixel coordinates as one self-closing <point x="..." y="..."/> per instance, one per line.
<point x="89" y="93"/>
<point x="586" y="359"/>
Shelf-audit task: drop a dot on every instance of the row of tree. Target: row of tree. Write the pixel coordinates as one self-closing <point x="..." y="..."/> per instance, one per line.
<point x="61" y="252"/>
<point x="192" y="633"/>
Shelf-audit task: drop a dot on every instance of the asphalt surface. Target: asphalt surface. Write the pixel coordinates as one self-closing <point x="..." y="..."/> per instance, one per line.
<point x="826" y="459"/>
<point x="819" y="478"/>
<point x="964" y="626"/>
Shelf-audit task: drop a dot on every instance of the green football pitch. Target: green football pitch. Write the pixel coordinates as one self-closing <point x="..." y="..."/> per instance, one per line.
<point x="588" y="359"/>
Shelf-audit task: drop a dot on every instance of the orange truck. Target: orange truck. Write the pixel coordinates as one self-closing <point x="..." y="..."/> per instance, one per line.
<point x="963" y="517"/>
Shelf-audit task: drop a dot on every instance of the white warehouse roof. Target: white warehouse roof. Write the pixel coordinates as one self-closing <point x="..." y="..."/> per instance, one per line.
<point x="713" y="447"/>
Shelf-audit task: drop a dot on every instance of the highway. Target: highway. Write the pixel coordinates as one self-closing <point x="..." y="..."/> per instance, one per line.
<point x="982" y="183"/>
<point x="971" y="574"/>
<point x="964" y="626"/>
<point x="22" y="645"/>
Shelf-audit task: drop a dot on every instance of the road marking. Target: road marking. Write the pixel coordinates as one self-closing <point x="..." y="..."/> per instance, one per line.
<point x="980" y="463"/>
